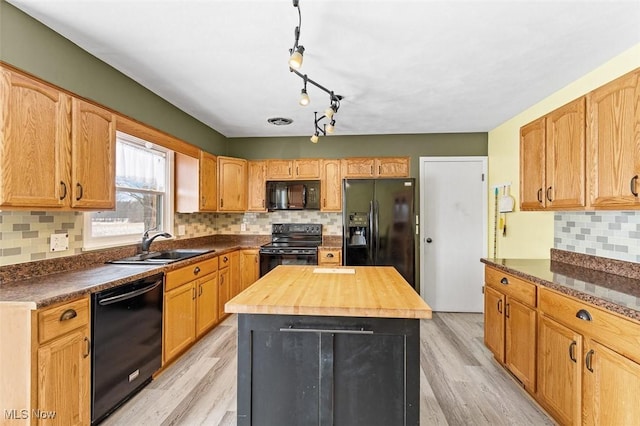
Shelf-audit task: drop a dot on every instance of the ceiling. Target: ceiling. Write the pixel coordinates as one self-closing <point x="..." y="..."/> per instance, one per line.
<point x="402" y="66"/>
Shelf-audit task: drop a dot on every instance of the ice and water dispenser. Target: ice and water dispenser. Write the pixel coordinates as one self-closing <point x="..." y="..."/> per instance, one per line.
<point x="358" y="228"/>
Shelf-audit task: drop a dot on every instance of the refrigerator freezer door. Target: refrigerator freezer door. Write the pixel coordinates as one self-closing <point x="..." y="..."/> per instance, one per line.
<point x="357" y="214"/>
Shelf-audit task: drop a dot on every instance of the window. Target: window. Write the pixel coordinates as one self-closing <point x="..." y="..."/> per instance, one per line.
<point x="143" y="196"/>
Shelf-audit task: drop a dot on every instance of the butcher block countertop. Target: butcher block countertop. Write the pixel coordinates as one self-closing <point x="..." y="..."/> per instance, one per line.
<point x="348" y="291"/>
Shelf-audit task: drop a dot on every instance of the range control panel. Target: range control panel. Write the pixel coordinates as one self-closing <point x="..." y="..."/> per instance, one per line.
<point x="297" y="228"/>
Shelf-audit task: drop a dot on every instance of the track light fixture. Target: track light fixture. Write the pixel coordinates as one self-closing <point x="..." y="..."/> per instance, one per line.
<point x="295" y="63"/>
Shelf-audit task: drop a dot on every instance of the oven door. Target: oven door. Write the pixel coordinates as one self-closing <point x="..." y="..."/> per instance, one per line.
<point x="269" y="260"/>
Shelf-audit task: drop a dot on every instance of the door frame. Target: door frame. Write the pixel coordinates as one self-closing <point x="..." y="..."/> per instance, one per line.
<point x="423" y="161"/>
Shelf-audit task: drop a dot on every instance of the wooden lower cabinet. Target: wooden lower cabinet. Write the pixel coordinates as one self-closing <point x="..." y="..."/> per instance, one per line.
<point x="611" y="387"/>
<point x="510" y="324"/>
<point x="234" y="274"/>
<point x="224" y="290"/>
<point x="249" y="267"/>
<point x="64" y="377"/>
<point x="328" y="257"/>
<point x="190" y="306"/>
<point x="559" y="370"/>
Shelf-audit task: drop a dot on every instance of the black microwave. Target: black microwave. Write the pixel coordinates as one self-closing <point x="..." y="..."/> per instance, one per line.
<point x="293" y="195"/>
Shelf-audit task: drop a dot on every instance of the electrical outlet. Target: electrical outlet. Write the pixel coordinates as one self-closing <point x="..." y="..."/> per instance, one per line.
<point x="59" y="242"/>
<point x="243" y="227"/>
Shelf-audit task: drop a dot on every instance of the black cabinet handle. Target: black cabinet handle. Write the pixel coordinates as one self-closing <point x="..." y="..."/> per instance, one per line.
<point x="506" y="310"/>
<point x="330" y="255"/>
<point x="64" y="190"/>
<point x="68" y="314"/>
<point x="80" y="191"/>
<point x="572" y="353"/>
<point x="290" y="329"/>
<point x="200" y="292"/>
<point x="196" y="270"/>
<point x="583" y="315"/>
<point x="588" y="361"/>
<point x="500" y="306"/>
<point x="221" y="202"/>
<point x="547" y="193"/>
<point x="540" y="195"/>
<point x="504" y="281"/>
<point x="633" y="185"/>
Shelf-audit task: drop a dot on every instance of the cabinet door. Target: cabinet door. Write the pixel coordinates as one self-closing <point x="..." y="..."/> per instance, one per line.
<point x="234" y="274"/>
<point x="207" y="303"/>
<point x="494" y="322"/>
<point x="208" y="182"/>
<point x="256" y="186"/>
<point x="520" y="342"/>
<point x="613" y="143"/>
<point x="559" y="370"/>
<point x="224" y="290"/>
<point x="306" y="168"/>
<point x="64" y="374"/>
<point x="35" y="127"/>
<point x="93" y="139"/>
<point x="279" y="169"/>
<point x="249" y="267"/>
<point x="611" y="387"/>
<point x="358" y="168"/>
<point x="331" y="186"/>
<point x="232" y="184"/>
<point x="565" y="156"/>
<point x="392" y="167"/>
<point x="532" y="165"/>
<point x="179" y="320"/>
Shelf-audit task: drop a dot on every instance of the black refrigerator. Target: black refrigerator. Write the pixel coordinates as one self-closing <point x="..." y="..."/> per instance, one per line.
<point x="378" y="224"/>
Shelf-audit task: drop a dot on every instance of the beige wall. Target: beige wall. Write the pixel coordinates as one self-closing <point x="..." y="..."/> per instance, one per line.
<point x="530" y="234"/>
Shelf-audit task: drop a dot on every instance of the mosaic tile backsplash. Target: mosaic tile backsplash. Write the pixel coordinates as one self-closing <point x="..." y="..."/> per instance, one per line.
<point x="25" y="236"/>
<point x="615" y="235"/>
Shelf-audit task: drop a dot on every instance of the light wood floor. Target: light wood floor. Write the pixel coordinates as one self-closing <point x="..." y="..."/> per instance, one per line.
<point x="460" y="382"/>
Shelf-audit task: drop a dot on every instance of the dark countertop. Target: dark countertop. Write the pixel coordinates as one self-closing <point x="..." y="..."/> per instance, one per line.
<point x="45" y="290"/>
<point x="609" y="291"/>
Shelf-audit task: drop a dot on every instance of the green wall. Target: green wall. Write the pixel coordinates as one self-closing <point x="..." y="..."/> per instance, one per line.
<point x="33" y="47"/>
<point x="335" y="146"/>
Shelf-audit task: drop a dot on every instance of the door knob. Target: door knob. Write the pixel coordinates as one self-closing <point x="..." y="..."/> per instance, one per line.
<point x="429" y="240"/>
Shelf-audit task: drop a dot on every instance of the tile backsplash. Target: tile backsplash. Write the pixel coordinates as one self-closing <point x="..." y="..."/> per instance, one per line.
<point x="25" y="236"/>
<point x="615" y="235"/>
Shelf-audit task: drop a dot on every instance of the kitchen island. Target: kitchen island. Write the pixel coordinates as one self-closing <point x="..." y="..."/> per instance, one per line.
<point x="320" y="346"/>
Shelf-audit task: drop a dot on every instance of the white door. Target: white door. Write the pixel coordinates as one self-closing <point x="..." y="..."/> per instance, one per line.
<point x="453" y="232"/>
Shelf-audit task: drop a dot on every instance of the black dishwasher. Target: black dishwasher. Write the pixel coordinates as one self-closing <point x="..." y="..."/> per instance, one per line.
<point x="126" y="330"/>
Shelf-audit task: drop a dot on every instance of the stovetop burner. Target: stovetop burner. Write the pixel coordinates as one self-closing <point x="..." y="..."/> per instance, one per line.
<point x="294" y="236"/>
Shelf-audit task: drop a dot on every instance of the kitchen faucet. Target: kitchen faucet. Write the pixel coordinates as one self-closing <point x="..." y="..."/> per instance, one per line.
<point x="146" y="241"/>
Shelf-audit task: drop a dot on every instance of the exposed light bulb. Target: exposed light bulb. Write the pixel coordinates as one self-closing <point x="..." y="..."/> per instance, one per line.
<point x="330" y="127"/>
<point x="329" y="113"/>
<point x="296" y="58"/>
<point x="314" y="138"/>
<point x="304" y="98"/>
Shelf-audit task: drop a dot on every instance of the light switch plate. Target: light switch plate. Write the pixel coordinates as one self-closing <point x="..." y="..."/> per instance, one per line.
<point x="243" y="227"/>
<point x="59" y="242"/>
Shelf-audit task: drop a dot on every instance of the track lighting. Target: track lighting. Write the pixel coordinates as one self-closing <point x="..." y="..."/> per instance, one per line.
<point x="295" y="63"/>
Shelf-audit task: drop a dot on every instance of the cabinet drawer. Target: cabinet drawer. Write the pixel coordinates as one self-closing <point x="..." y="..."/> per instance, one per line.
<point x="329" y="257"/>
<point x="189" y="273"/>
<point x="225" y="260"/>
<point x="56" y="321"/>
<point x="510" y="285"/>
<point x="617" y="333"/>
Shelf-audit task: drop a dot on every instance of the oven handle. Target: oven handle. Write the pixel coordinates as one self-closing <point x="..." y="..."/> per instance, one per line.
<point x="130" y="295"/>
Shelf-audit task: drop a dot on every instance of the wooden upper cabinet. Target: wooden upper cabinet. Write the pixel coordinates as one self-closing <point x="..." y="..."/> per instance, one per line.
<point x="232" y="184"/>
<point x="256" y="188"/>
<point x="93" y="147"/>
<point x="208" y="182"/>
<point x="371" y="167"/>
<point x="565" y="156"/>
<point x="35" y="129"/>
<point x="358" y="167"/>
<point x="392" y="167"/>
<point x="532" y="165"/>
<point x="306" y="168"/>
<point x="55" y="150"/>
<point x="331" y="186"/>
<point x="613" y="143"/>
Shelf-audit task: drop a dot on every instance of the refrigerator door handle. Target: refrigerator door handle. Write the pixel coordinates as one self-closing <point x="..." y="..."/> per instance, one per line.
<point x="372" y="233"/>
<point x="376" y="211"/>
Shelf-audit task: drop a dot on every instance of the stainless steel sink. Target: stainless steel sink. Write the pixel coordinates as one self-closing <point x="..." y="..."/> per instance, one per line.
<point x="161" y="257"/>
